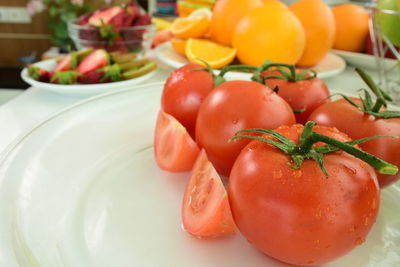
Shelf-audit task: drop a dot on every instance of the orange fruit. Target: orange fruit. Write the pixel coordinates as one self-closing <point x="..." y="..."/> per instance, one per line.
<point x="226" y="14"/>
<point x="190" y="27"/>
<point x="185" y="8"/>
<point x="271" y="32"/>
<point x="319" y="26"/>
<point x="216" y="55"/>
<point x="179" y="45"/>
<point x="351" y="27"/>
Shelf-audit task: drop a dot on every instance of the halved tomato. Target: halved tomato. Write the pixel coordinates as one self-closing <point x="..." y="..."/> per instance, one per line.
<point x="174" y="149"/>
<point x="205" y="207"/>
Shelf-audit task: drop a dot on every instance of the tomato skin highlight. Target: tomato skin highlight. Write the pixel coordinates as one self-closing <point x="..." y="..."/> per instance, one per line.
<point x="174" y="149"/>
<point x="300" y="216"/>
<point x="205" y="205"/>
<point x="183" y="93"/>
<point x="234" y="106"/>
<point x="356" y="124"/>
<point x="306" y="94"/>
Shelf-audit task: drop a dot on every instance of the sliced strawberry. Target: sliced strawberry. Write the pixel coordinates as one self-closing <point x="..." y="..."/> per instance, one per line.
<point x="68" y="62"/>
<point x="174" y="149"/>
<point x="39" y="74"/>
<point x="64" y="77"/>
<point x="104" y="17"/>
<point x="104" y="75"/>
<point x="205" y="207"/>
<point x="95" y="60"/>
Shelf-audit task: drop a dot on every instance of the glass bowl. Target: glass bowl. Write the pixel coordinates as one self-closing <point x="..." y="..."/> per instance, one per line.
<point x="135" y="39"/>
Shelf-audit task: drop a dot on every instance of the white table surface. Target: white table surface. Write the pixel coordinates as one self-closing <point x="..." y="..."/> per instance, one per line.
<point x="23" y="112"/>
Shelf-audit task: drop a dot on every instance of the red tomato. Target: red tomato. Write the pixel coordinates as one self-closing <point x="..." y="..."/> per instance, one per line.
<point x="183" y="93"/>
<point x="174" y="149"/>
<point x="234" y="106"/>
<point x="300" y="216"/>
<point x="304" y="95"/>
<point x="205" y="207"/>
<point x="357" y="125"/>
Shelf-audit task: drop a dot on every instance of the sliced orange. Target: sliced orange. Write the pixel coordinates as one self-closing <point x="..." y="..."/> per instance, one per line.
<point x="216" y="55"/>
<point x="190" y="27"/>
<point x="179" y="45"/>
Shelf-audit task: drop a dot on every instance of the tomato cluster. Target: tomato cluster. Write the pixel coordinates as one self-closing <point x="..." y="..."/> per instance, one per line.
<point x="296" y="192"/>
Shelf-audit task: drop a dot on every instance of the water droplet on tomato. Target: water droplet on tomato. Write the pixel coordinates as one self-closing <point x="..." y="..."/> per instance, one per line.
<point x="234" y="121"/>
<point x="297" y="174"/>
<point x="318" y="214"/>
<point x="350" y="170"/>
<point x="353" y="228"/>
<point x="373" y="204"/>
<point x="277" y="174"/>
<point x="360" y="240"/>
<point x="366" y="221"/>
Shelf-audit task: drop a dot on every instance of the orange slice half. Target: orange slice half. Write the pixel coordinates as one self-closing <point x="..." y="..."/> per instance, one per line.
<point x="194" y="27"/>
<point x="216" y="55"/>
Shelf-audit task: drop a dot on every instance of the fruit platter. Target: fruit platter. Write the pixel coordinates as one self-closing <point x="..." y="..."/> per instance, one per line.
<point x="89" y="71"/>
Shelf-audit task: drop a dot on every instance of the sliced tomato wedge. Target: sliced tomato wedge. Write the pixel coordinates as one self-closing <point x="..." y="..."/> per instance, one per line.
<point x="174" y="149"/>
<point x="205" y="208"/>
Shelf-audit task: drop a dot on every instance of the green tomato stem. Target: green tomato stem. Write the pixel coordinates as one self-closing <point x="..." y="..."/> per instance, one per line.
<point x="246" y="68"/>
<point x="379" y="165"/>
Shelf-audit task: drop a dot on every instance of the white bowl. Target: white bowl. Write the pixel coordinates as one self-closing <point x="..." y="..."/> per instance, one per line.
<point x="79" y="89"/>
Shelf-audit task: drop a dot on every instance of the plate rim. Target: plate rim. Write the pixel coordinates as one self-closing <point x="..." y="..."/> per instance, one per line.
<point x="173" y="64"/>
<point x="8" y="150"/>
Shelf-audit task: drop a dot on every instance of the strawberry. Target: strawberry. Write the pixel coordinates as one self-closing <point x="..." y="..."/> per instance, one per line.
<point x="84" y="19"/>
<point x="107" y="74"/>
<point x="117" y="45"/>
<point x="104" y="17"/>
<point x="133" y="9"/>
<point x="39" y="74"/>
<point x="71" y="60"/>
<point x="68" y="62"/>
<point x="121" y="20"/>
<point x="89" y="33"/>
<point x="144" y="19"/>
<point x="64" y="77"/>
<point x="97" y="59"/>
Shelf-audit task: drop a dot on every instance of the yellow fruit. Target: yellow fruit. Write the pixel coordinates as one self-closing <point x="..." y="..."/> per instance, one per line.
<point x="271" y="32"/>
<point x="351" y="27"/>
<point x="216" y="55"/>
<point x="161" y="24"/>
<point x="179" y="45"/>
<point x="190" y="27"/>
<point x="319" y="26"/>
<point x="226" y="14"/>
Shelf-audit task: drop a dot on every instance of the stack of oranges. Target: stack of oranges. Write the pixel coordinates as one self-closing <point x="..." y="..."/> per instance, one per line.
<point x="254" y="31"/>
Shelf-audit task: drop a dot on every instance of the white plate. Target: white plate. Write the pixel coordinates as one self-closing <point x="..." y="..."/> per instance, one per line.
<point x="364" y="60"/>
<point x="331" y="65"/>
<point x="82" y="189"/>
<point x="79" y="89"/>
